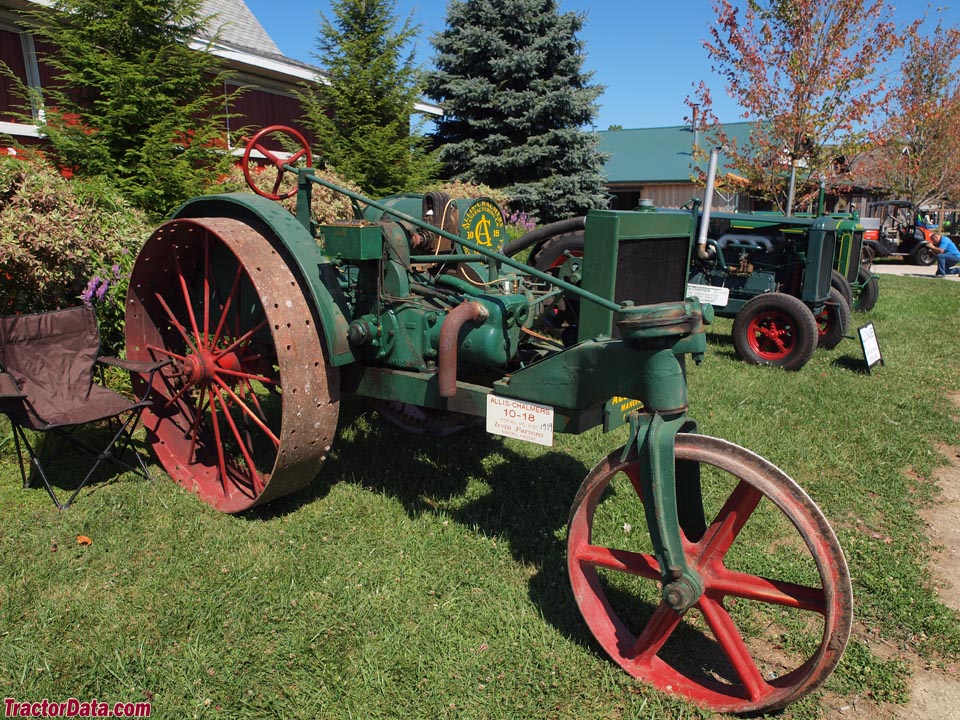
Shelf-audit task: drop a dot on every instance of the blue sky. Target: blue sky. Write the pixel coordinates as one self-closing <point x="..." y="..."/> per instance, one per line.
<point x="647" y="53"/>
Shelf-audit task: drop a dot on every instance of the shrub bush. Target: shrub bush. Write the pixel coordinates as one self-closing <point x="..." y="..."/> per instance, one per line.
<point x="65" y="241"/>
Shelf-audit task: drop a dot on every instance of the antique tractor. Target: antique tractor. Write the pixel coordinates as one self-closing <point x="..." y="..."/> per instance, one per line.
<point x="862" y="288"/>
<point x="269" y="319"/>
<point x="773" y="274"/>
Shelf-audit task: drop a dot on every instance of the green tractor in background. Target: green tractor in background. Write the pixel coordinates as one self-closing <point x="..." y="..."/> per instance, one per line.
<point x="778" y="277"/>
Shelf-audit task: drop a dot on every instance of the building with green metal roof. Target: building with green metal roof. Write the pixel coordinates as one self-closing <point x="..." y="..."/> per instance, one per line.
<point x="659" y="164"/>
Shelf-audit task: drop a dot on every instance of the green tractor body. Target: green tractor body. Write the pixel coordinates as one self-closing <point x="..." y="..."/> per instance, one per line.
<point x="268" y="318"/>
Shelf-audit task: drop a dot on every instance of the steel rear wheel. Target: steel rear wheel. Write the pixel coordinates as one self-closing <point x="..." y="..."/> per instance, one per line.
<point x="776" y="611"/>
<point x="248" y="408"/>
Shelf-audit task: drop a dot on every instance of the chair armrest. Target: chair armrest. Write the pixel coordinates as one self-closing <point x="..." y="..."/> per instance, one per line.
<point x="133" y="365"/>
<point x="9" y="387"/>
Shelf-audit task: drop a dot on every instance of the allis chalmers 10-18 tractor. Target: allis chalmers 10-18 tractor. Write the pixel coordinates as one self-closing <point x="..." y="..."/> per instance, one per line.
<point x="268" y="320"/>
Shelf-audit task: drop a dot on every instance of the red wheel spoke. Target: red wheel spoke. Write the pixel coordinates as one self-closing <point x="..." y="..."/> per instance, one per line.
<point x="619" y="560"/>
<point x="249" y="413"/>
<point x="164" y="351"/>
<point x="188" y="303"/>
<point x="176" y="396"/>
<point x="221" y="461"/>
<point x="240" y="340"/>
<point x="296" y="156"/>
<point x="656" y="632"/>
<point x="176" y="323"/>
<point x="206" y="285"/>
<point x="155" y="350"/>
<point x="255" y="401"/>
<point x="258" y="356"/>
<point x="244" y="450"/>
<point x="776" y="592"/>
<point x="194" y="431"/>
<point x="225" y="308"/>
<point x="726" y="633"/>
<point x="729" y="521"/>
<point x="247" y="376"/>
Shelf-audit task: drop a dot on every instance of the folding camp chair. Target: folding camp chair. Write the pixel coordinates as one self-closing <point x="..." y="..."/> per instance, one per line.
<point x="48" y="384"/>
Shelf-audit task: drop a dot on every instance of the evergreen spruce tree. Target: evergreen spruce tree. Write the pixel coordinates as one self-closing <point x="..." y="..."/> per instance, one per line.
<point x="516" y="99"/>
<point x="131" y="101"/>
<point x="362" y="118"/>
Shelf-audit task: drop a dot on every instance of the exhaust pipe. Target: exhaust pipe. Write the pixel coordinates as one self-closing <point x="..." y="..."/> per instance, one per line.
<point x="702" y="251"/>
<point x="449" y="335"/>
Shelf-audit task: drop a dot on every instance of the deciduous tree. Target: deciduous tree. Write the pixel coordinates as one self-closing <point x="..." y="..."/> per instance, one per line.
<point x="516" y="100"/>
<point x="806" y="73"/>
<point x="916" y="152"/>
<point x="362" y="116"/>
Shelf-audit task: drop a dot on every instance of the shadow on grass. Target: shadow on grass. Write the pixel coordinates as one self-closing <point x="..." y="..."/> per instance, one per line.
<point x="522" y="500"/>
<point x="525" y="503"/>
<point x="852" y="363"/>
<point x="67" y="464"/>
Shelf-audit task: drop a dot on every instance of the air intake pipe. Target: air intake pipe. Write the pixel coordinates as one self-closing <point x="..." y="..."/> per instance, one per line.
<point x="703" y="252"/>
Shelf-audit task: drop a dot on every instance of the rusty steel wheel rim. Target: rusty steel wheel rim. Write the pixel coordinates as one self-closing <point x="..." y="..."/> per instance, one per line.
<point x="794" y="632"/>
<point x="248" y="408"/>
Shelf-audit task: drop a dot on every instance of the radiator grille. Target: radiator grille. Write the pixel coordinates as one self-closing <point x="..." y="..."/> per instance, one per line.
<point x="856" y="248"/>
<point x="826" y="264"/>
<point x="651" y="271"/>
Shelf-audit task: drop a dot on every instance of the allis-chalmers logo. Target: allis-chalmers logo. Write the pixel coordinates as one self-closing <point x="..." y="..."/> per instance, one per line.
<point x="483" y="223"/>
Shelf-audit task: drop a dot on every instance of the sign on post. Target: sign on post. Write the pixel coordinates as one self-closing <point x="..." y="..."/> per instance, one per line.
<point x="870" y="345"/>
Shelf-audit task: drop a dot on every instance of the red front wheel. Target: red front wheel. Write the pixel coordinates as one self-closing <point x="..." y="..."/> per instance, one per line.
<point x="775" y="329"/>
<point x="776" y="610"/>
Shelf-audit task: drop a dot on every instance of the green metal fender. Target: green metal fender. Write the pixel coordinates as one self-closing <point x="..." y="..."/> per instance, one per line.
<point x="307" y="261"/>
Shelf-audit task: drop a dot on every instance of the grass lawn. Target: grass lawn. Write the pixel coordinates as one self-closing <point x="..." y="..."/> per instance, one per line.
<point x="426" y="579"/>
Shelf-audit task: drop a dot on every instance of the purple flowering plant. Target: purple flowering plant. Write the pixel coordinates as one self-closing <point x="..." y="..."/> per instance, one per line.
<point x="106" y="292"/>
<point x="519" y="223"/>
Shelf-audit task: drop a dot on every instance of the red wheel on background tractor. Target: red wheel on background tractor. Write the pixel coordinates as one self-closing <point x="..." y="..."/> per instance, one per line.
<point x="277" y="157"/>
<point x="832" y="321"/>
<point x="248" y="409"/>
<point x="776" y="610"/>
<point x="775" y="329"/>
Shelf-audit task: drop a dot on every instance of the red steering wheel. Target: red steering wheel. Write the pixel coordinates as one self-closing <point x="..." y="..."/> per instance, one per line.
<point x="279" y="163"/>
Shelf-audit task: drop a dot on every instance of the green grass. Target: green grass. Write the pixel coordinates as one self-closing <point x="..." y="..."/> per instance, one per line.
<point x="426" y="578"/>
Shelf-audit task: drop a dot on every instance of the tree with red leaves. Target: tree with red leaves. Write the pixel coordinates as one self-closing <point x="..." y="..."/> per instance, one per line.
<point x="805" y="73"/>
<point x="916" y="152"/>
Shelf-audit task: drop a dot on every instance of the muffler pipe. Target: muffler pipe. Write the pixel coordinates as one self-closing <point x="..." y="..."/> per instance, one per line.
<point x="449" y="341"/>
<point x="702" y="251"/>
